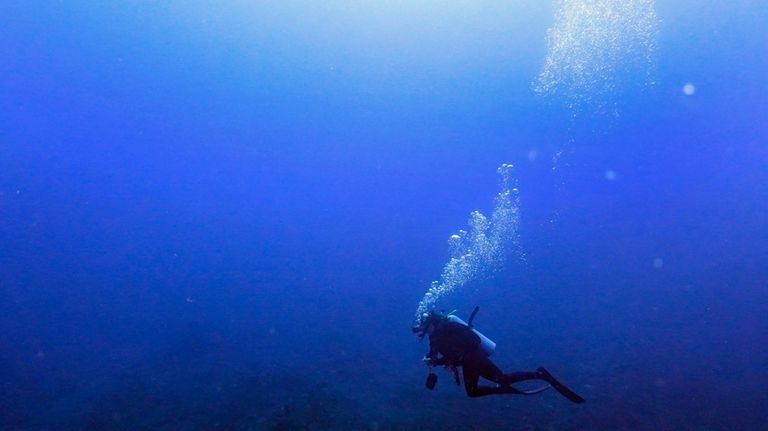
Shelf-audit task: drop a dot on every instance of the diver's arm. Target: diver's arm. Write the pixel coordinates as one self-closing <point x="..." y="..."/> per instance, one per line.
<point x="438" y="361"/>
<point x="434" y="361"/>
<point x="432" y="357"/>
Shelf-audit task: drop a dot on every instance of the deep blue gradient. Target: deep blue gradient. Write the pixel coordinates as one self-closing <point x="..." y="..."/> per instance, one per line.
<point x="222" y="215"/>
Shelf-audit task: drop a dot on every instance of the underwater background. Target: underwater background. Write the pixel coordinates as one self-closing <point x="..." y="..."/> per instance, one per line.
<point x="222" y="215"/>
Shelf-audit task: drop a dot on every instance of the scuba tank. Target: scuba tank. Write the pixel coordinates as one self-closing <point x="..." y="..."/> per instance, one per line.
<point x="486" y="343"/>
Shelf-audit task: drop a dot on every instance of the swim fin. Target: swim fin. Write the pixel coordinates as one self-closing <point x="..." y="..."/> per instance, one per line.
<point x="535" y="391"/>
<point x="559" y="387"/>
<point x="508" y="389"/>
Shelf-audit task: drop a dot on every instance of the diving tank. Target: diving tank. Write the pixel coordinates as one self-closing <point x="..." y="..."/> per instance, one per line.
<point x="486" y="344"/>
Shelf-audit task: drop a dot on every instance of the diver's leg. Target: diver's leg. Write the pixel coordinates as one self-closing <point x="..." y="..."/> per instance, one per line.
<point x="519" y="376"/>
<point x="490" y="371"/>
<point x="475" y="365"/>
<point x="471" y="378"/>
<point x="542" y="374"/>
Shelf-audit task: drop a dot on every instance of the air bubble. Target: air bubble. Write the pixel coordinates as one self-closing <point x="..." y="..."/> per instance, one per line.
<point x="483" y="248"/>
<point x="591" y="43"/>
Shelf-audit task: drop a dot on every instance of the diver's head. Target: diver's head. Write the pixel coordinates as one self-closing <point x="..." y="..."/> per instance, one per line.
<point x="427" y="323"/>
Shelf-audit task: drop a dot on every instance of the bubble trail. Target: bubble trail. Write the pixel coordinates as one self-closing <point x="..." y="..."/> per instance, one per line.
<point x="595" y="46"/>
<point x="482" y="249"/>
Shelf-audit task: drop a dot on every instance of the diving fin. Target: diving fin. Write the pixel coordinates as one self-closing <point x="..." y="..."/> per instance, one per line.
<point x="559" y="387"/>
<point x="508" y="389"/>
<point x="535" y="391"/>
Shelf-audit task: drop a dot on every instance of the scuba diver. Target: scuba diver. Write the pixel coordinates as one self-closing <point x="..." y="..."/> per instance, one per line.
<point x="454" y="343"/>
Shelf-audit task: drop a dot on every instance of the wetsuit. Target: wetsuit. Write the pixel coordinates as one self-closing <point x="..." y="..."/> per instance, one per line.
<point x="456" y="345"/>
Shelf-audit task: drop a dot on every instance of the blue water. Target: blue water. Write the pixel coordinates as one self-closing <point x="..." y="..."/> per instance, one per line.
<point x="222" y="215"/>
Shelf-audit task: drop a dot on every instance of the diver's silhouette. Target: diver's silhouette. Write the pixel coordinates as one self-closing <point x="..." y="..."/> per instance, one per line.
<point x="453" y="343"/>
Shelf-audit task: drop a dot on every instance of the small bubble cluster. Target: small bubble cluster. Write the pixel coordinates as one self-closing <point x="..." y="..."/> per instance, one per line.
<point x="482" y="248"/>
<point x="591" y="42"/>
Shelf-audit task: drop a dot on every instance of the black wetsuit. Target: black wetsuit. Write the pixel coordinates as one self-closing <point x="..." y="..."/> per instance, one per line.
<point x="456" y="345"/>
